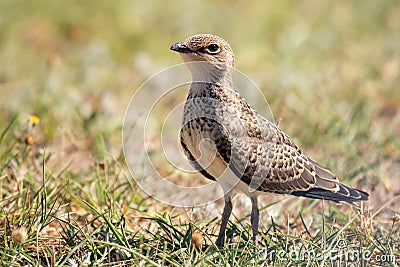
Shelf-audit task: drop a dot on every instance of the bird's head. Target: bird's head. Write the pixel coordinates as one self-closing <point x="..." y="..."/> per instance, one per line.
<point x="206" y="53"/>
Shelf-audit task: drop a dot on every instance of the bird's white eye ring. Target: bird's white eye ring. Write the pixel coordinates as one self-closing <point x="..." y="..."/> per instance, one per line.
<point x="213" y="48"/>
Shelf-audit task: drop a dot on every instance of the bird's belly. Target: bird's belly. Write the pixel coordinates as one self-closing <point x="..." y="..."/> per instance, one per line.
<point x="237" y="185"/>
<point x="205" y="153"/>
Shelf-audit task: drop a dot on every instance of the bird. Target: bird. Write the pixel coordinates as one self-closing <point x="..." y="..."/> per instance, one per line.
<point x="228" y="141"/>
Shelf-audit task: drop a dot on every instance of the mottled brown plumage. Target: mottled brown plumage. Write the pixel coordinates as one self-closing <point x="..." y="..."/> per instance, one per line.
<point x="228" y="141"/>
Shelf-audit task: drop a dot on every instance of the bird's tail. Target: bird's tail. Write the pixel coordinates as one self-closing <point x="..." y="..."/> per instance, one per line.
<point x="344" y="194"/>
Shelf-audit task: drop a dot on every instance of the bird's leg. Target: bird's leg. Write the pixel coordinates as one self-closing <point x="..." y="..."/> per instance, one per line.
<point x="225" y="217"/>
<point x="254" y="217"/>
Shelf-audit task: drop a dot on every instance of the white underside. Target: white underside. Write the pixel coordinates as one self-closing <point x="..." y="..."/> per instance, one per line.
<point x="206" y="155"/>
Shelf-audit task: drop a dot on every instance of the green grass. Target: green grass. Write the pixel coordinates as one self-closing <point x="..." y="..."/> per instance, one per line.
<point x="330" y="70"/>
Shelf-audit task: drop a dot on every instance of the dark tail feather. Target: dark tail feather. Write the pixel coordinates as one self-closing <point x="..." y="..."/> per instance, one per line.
<point x="345" y="194"/>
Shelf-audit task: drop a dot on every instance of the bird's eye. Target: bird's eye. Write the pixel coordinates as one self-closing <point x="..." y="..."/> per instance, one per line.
<point x="213" y="48"/>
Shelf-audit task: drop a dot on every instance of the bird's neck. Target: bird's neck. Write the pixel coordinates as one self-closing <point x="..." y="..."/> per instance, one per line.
<point x="206" y="77"/>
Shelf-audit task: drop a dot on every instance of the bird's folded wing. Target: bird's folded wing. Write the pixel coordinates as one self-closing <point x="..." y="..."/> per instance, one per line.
<point x="275" y="164"/>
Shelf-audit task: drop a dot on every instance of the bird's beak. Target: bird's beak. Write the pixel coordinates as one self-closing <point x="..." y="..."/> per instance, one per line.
<point x="181" y="48"/>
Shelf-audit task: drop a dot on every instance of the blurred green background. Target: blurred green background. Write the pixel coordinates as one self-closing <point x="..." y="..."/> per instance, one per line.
<point x="330" y="69"/>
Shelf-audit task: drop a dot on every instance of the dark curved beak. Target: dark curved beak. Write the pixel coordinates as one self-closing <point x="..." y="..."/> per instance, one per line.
<point x="181" y="48"/>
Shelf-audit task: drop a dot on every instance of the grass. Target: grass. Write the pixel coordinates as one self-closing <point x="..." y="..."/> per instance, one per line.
<point x="330" y="70"/>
